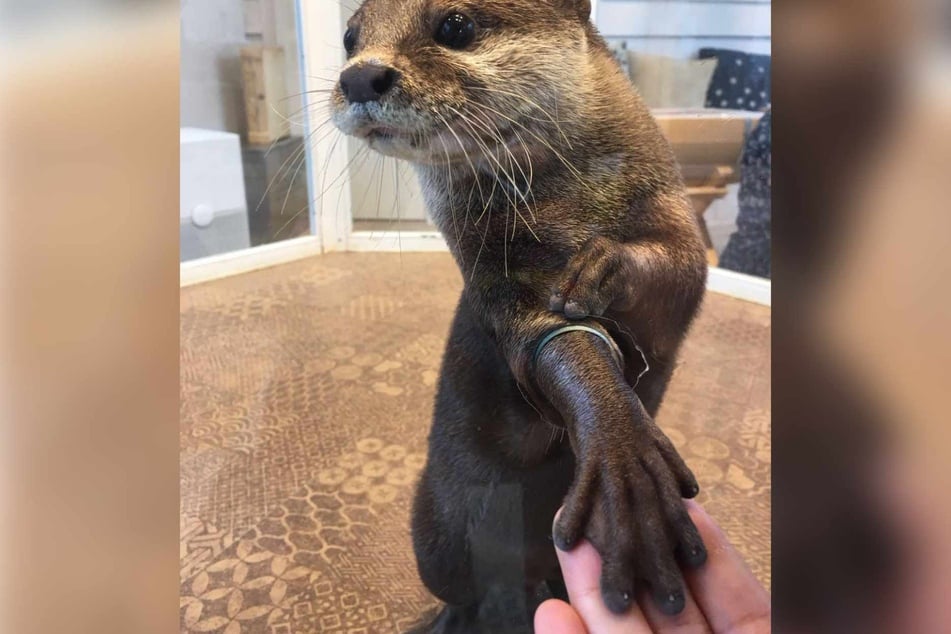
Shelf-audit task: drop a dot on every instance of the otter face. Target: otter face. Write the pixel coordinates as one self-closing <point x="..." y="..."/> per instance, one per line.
<point x="435" y="81"/>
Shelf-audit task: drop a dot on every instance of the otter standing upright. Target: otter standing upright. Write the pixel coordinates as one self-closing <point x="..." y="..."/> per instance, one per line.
<point x="564" y="208"/>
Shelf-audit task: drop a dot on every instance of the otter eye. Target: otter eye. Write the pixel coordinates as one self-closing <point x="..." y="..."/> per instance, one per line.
<point x="456" y="31"/>
<point x="350" y="41"/>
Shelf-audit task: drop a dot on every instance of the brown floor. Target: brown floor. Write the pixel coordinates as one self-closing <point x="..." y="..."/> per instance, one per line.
<point x="306" y="398"/>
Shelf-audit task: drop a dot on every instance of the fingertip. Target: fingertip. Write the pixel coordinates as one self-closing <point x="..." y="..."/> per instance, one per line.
<point x="707" y="529"/>
<point x="580" y="565"/>
<point x="557" y="617"/>
<point x="725" y="588"/>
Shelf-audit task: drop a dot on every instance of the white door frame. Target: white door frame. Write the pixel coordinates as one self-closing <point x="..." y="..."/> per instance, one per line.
<point x="321" y="32"/>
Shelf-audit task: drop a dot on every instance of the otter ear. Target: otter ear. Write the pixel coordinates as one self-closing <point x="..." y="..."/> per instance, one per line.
<point x="581" y="8"/>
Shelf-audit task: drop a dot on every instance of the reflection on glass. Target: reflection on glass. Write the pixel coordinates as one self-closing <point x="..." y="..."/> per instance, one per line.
<point x="243" y="159"/>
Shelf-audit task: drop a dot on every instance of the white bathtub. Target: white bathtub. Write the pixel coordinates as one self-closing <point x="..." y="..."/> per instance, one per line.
<point x="214" y="208"/>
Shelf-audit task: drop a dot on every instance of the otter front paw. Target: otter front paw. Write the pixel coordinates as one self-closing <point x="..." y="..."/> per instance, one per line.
<point x="627" y="501"/>
<point x="598" y="277"/>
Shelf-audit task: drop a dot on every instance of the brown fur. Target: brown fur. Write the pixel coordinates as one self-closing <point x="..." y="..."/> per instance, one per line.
<point x="561" y="202"/>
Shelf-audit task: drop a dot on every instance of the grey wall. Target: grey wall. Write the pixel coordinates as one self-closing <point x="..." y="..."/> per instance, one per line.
<point x="212" y="34"/>
<point x="679" y="28"/>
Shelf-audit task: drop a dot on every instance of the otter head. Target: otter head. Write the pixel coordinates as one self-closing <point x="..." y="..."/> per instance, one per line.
<point x="433" y="81"/>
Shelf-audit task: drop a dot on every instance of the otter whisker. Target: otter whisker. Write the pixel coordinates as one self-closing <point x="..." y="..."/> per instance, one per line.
<point x="488" y="155"/>
<point x="512" y="202"/>
<point x="544" y="142"/>
<point x="477" y="182"/>
<point x="487" y="152"/>
<point x="462" y="148"/>
<point x="290" y="122"/>
<point x="488" y="223"/>
<point x="364" y="153"/>
<point x="396" y="204"/>
<point x="280" y="170"/>
<point x="494" y="131"/>
<point x="379" y="189"/>
<point x="307" y="206"/>
<point x="302" y="153"/>
<point x="530" y="102"/>
<point x="315" y="130"/>
<point x="452" y="200"/>
<point x="319" y="91"/>
<point x="290" y="187"/>
<point x="511" y="179"/>
<point x="531" y="175"/>
<point x="333" y="148"/>
<point x="376" y="165"/>
<point x="487" y="203"/>
<point x="531" y="172"/>
<point x="309" y="109"/>
<point x="497" y="135"/>
<point x="486" y="207"/>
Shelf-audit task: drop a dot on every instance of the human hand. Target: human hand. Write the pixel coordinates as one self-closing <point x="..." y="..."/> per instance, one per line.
<point x="722" y="597"/>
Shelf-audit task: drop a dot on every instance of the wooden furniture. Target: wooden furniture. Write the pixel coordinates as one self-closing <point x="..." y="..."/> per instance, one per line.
<point x="708" y="144"/>
<point x="213" y="211"/>
<point x="262" y="72"/>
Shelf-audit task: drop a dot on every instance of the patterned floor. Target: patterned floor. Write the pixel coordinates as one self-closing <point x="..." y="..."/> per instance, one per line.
<point x="306" y="398"/>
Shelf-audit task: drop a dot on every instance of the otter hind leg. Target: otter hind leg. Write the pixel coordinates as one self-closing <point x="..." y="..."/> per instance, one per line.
<point x="469" y="555"/>
<point x="493" y="615"/>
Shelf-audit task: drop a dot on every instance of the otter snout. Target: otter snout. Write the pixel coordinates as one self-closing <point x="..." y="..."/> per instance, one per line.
<point x="364" y="83"/>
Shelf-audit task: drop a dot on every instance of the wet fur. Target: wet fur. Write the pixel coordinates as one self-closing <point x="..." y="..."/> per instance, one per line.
<point x="580" y="216"/>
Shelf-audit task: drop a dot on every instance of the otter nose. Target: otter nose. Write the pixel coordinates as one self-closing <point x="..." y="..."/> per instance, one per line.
<point x="367" y="82"/>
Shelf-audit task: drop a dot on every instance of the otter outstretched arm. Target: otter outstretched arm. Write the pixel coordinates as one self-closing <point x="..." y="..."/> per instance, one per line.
<point x="629" y="481"/>
<point x="626" y="496"/>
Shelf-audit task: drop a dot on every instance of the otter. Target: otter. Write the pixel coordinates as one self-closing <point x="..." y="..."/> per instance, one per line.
<point x="583" y="266"/>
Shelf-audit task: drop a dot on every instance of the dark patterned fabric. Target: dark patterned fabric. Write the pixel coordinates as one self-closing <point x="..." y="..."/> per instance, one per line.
<point x="748" y="250"/>
<point x="741" y="80"/>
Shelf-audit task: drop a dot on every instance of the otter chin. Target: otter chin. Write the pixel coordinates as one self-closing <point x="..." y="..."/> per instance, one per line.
<point x="583" y="264"/>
